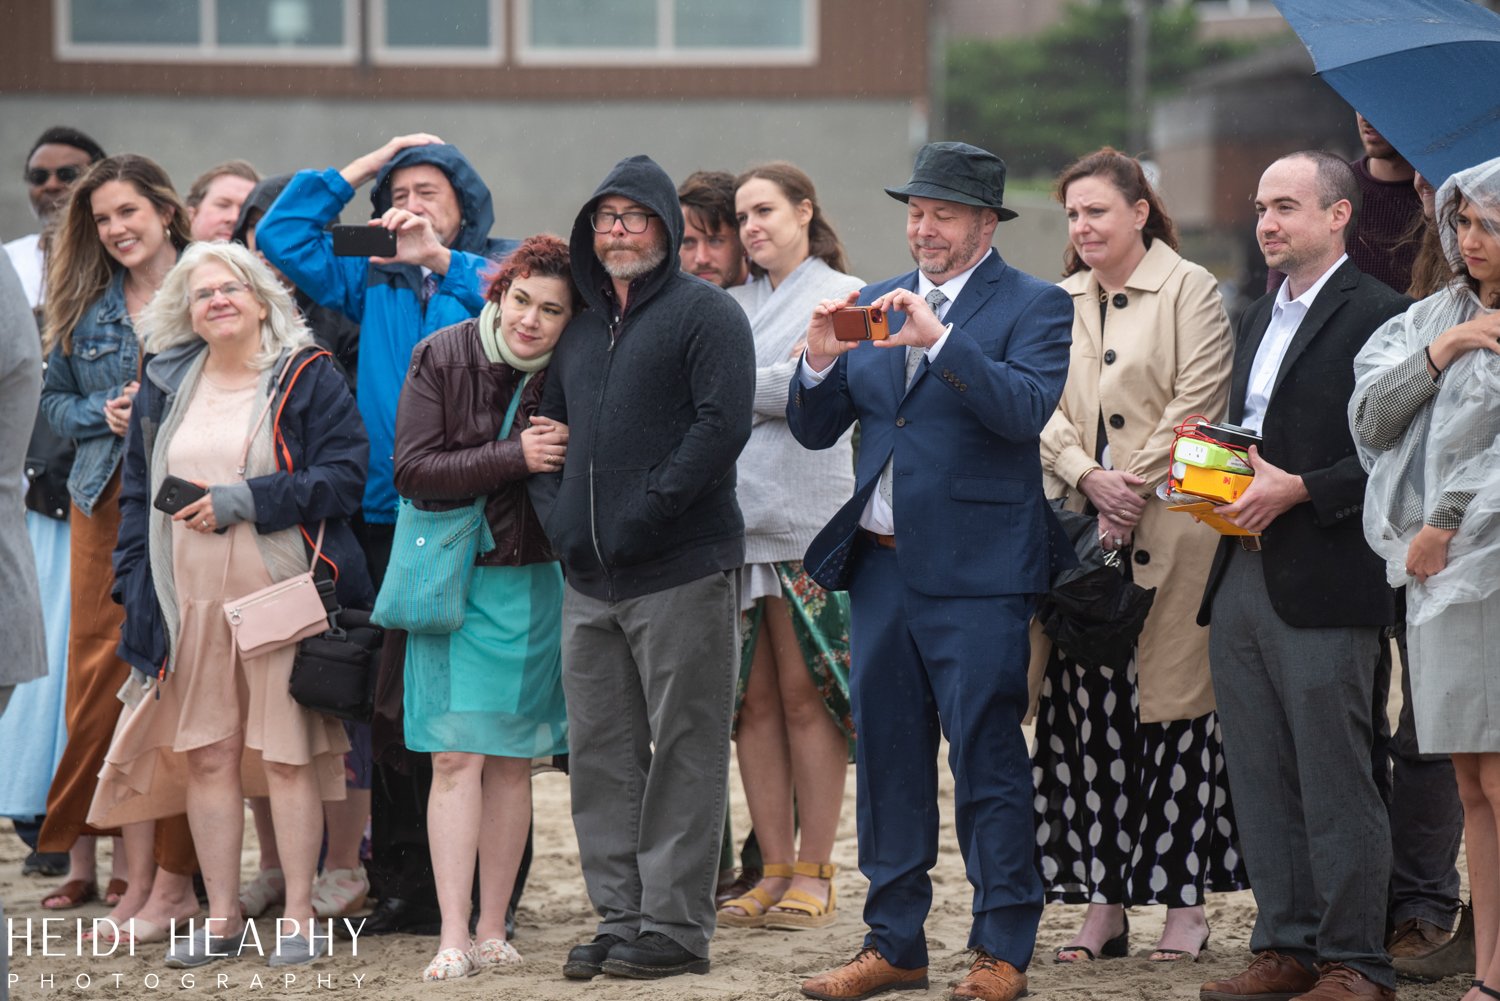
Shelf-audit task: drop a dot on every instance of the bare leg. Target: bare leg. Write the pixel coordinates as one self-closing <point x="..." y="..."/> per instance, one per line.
<point x="453" y="818"/>
<point x="216" y="814"/>
<point x="346" y="819"/>
<point x="505" y="820"/>
<point x="1479" y="790"/>
<point x="140" y="869"/>
<point x="765" y="763"/>
<point x="297" y="810"/>
<point x="265" y="832"/>
<point x="819" y="753"/>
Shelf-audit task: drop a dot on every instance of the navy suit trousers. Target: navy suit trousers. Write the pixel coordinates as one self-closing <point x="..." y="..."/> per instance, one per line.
<point x="925" y="667"/>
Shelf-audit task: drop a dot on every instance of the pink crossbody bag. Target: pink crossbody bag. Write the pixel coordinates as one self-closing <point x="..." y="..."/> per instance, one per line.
<point x="287" y="611"/>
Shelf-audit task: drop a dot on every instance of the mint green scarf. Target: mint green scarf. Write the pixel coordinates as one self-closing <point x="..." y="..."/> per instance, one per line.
<point x="495" y="348"/>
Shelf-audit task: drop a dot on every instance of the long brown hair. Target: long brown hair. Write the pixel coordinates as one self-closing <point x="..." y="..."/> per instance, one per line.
<point x="1430" y="271"/>
<point x="80" y="268"/>
<point x="822" y="241"/>
<point x="1447" y="220"/>
<point x="1127" y="177"/>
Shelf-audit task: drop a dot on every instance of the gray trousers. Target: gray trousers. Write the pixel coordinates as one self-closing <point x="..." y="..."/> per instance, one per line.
<point x="650" y="689"/>
<point x="1295" y="709"/>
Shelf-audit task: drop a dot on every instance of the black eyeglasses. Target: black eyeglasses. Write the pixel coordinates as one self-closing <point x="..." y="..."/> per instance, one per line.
<point x="37" y="176"/>
<point x="634" y="221"/>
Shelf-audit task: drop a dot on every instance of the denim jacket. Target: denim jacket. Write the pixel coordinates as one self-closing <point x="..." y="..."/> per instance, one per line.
<point x="105" y="356"/>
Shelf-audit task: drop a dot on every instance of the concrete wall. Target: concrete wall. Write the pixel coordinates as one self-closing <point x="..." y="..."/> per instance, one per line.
<point x="541" y="160"/>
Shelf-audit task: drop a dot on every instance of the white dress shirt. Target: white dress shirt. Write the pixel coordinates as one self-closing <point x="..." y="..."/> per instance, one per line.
<point x="26" y="257"/>
<point x="1286" y="316"/>
<point x="878" y="516"/>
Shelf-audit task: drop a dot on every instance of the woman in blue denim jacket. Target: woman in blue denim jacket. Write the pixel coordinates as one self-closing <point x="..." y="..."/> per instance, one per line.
<point x="121" y="233"/>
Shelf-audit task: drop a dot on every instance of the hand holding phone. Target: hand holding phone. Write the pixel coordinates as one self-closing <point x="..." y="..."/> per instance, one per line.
<point x="177" y="493"/>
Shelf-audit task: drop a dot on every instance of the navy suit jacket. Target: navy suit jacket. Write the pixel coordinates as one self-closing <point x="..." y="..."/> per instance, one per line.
<point x="971" y="516"/>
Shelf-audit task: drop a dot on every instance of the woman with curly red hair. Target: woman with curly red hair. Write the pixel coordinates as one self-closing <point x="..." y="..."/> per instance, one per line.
<point x="486" y="699"/>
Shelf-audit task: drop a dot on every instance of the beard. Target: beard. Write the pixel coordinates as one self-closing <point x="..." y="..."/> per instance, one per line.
<point x="626" y="261"/>
<point x="956" y="259"/>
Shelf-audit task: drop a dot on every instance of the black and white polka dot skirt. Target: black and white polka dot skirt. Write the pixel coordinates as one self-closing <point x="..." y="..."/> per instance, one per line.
<point x="1128" y="812"/>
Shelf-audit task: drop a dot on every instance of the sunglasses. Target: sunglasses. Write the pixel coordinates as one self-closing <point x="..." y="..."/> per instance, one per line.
<point x="37" y="176"/>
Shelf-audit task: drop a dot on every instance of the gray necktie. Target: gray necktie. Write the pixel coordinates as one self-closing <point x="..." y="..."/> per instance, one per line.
<point x="914" y="354"/>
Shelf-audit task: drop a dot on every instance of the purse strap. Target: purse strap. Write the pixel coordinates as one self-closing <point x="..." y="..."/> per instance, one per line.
<point x="515" y="405"/>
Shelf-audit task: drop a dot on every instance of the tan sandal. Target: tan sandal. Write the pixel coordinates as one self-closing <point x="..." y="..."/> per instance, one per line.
<point x="757" y="902"/>
<point x="797" y="909"/>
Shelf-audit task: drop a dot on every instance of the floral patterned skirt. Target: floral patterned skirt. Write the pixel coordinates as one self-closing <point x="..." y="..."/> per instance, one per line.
<point x="820" y="621"/>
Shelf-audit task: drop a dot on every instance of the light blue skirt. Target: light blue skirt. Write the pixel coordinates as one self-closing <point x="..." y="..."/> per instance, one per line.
<point x="34" y="729"/>
<point x="495" y="686"/>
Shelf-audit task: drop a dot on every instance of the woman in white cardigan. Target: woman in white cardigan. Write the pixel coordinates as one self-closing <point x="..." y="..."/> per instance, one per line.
<point x="793" y="728"/>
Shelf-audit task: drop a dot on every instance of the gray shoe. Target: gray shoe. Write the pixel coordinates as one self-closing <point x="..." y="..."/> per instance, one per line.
<point x="203" y="948"/>
<point x="295" y="950"/>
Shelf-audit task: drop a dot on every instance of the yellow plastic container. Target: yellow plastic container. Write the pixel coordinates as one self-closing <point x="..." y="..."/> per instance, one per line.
<point x="1212" y="484"/>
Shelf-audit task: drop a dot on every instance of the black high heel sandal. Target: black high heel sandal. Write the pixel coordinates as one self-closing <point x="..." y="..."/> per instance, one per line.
<point x="1116" y="948"/>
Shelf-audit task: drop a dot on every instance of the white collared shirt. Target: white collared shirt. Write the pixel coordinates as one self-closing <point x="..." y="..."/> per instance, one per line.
<point x="1286" y="316"/>
<point x="878" y="516"/>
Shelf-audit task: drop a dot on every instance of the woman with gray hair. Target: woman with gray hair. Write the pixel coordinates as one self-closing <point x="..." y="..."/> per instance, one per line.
<point x="235" y="399"/>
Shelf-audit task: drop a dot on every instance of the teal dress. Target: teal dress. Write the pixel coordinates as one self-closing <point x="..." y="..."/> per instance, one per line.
<point x="495" y="685"/>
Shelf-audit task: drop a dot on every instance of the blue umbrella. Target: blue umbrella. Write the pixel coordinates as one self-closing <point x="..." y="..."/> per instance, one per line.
<point x="1426" y="73"/>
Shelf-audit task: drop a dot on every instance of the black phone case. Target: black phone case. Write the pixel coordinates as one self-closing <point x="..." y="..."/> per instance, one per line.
<point x="176" y="494"/>
<point x="363" y="241"/>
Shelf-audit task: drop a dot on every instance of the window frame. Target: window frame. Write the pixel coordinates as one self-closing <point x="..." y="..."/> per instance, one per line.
<point x="666" y="52"/>
<point x="208" y="49"/>
<point x="385" y="54"/>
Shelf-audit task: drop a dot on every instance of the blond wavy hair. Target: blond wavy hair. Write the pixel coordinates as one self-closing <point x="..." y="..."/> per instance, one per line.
<point x="168" y="321"/>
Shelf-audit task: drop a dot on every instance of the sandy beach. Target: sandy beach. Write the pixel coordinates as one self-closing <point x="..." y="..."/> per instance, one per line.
<point x="555" y="914"/>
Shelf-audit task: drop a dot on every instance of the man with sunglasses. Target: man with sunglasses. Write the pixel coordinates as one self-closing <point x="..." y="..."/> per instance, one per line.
<point x="59" y="157"/>
<point x="655" y="381"/>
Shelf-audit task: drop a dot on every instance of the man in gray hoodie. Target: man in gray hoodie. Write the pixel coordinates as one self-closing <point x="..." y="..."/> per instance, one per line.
<point x="655" y="381"/>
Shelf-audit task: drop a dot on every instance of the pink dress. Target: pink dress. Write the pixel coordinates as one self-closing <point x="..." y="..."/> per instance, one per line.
<point x="212" y="693"/>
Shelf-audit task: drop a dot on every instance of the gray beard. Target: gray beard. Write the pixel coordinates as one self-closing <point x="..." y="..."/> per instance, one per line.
<point x="629" y="271"/>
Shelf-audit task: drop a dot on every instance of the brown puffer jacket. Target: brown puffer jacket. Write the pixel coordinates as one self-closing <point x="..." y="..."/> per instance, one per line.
<point x="447" y="423"/>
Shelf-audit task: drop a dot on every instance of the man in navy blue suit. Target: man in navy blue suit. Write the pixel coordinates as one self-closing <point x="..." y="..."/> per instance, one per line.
<point x="943" y="548"/>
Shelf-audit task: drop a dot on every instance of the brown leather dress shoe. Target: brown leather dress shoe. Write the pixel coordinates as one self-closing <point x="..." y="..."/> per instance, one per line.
<point x="1270" y="977"/>
<point x="864" y="976"/>
<point x="991" y="979"/>
<point x="1337" y="982"/>
<point x="1415" y="938"/>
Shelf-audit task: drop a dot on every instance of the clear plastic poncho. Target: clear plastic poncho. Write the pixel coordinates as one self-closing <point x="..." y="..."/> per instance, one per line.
<point x="1451" y="447"/>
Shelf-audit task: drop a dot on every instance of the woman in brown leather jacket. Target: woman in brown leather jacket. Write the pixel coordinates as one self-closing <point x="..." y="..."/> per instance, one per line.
<point x="488" y="698"/>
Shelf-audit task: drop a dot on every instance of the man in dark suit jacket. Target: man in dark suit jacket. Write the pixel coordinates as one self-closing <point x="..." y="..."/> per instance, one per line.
<point x="1297" y="613"/>
<point x="943" y="548"/>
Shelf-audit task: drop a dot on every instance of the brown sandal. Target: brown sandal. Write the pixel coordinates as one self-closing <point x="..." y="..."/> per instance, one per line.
<point x="116" y="889"/>
<point x="73" y="893"/>
<point x="755" y="903"/>
<point x="797" y="909"/>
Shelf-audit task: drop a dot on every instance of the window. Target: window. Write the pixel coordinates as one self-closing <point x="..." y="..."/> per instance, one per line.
<point x="207" y="30"/>
<point x="643" y="32"/>
<point x="446" y="32"/>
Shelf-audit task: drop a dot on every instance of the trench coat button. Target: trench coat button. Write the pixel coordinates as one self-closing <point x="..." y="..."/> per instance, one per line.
<point x="421" y="542"/>
<point x="1142" y="557"/>
<point x="901" y="422"/>
<point x="1116" y="421"/>
<point x="1119" y="301"/>
<point x="1110" y="356"/>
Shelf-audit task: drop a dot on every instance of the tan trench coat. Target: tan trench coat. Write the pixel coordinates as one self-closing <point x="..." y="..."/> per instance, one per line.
<point x="1171" y="356"/>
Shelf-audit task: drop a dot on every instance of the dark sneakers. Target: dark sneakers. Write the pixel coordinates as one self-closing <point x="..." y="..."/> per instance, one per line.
<point x="585" y="962"/>
<point x="650" y="957"/>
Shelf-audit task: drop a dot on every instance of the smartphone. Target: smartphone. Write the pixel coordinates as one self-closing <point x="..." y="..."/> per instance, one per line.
<point x="860" y="323"/>
<point x="364" y="241"/>
<point x="1230" y="434"/>
<point x="177" y="493"/>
